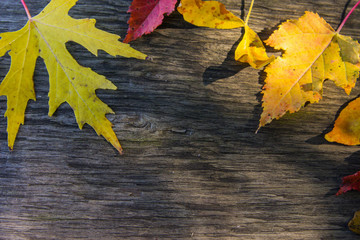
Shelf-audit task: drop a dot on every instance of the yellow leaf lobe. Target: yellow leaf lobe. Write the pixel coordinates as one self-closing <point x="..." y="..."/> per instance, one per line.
<point x="17" y="85"/>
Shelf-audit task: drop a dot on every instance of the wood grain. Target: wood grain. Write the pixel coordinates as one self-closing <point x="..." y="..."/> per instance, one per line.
<point x="193" y="167"/>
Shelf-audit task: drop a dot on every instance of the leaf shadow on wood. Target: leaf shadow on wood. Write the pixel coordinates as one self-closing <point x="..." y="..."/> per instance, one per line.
<point x="353" y="162"/>
<point x="230" y="67"/>
<point x="172" y="21"/>
<point x="254" y="121"/>
<point x="343" y="14"/>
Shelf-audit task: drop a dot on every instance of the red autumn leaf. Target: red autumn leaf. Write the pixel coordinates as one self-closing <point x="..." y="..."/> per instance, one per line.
<point x="351" y="182"/>
<point x="146" y="15"/>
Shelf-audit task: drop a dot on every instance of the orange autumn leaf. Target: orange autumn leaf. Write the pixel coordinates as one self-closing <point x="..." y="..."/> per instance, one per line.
<point x="314" y="52"/>
<point x="251" y="50"/>
<point x="347" y="126"/>
<point x="212" y="14"/>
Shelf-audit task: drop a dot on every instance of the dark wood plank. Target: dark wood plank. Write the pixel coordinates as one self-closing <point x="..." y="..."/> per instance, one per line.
<point x="193" y="167"/>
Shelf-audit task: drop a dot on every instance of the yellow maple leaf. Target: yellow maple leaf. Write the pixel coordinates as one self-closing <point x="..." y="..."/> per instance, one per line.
<point x="212" y="14"/>
<point x="313" y="52"/>
<point x="45" y="35"/>
<point x="251" y="50"/>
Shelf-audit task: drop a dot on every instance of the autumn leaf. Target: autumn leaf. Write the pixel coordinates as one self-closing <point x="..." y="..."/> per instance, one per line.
<point x="251" y="50"/>
<point x="354" y="224"/>
<point x="313" y="52"/>
<point x="350" y="182"/>
<point x="212" y="14"/>
<point x="347" y="126"/>
<point x="45" y="35"/>
<point x="146" y="16"/>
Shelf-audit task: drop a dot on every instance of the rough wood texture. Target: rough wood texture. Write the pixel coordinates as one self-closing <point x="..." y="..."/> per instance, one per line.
<point x="193" y="167"/>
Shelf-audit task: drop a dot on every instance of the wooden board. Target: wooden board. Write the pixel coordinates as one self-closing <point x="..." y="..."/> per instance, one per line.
<point x="192" y="166"/>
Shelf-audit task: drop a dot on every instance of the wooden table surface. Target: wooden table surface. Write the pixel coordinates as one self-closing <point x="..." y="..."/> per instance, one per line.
<point x="192" y="166"/>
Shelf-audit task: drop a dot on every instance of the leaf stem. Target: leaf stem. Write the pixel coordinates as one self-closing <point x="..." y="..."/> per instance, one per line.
<point x="347" y="16"/>
<point x="26" y="9"/>
<point x="248" y="15"/>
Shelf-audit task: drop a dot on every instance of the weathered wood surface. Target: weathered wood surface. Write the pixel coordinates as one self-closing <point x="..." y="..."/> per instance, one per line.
<point x="193" y="167"/>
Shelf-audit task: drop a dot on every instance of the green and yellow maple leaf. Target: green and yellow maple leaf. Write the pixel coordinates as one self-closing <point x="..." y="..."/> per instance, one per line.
<point x="314" y="52"/>
<point x="45" y="35"/>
